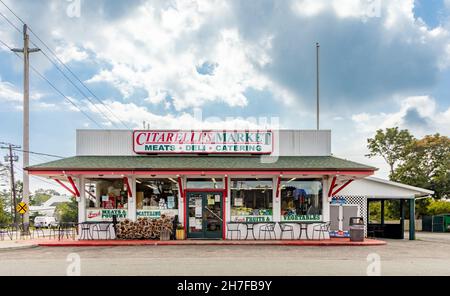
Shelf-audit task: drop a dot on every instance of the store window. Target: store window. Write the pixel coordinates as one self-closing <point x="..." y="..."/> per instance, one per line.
<point x="155" y="197"/>
<point x="104" y="198"/>
<point x="301" y="199"/>
<point x="251" y="200"/>
<point x="206" y="183"/>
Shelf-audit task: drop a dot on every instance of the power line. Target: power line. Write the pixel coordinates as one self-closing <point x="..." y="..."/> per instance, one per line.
<point x="37" y="153"/>
<point x="40" y="153"/>
<point x="60" y="70"/>
<point x="65" y="66"/>
<point x="9" y="21"/>
<point x="55" y="88"/>
<point x="6" y="18"/>
<point x="76" y="86"/>
<point x="12" y="11"/>
<point x="17" y="167"/>
<point x="36" y="177"/>
<point x="36" y="159"/>
<point x="58" y="91"/>
<point x="40" y="159"/>
<point x="44" y="180"/>
<point x="81" y="82"/>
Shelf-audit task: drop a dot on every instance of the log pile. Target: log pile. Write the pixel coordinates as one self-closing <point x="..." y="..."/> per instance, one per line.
<point x="144" y="228"/>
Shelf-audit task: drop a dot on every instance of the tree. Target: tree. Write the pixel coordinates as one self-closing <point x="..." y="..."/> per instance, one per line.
<point x="427" y="164"/>
<point x="5" y="216"/>
<point x="390" y="144"/>
<point x="438" y="207"/>
<point x="67" y="211"/>
<point x="51" y="192"/>
<point x="40" y="196"/>
<point x="38" y="199"/>
<point x="6" y="199"/>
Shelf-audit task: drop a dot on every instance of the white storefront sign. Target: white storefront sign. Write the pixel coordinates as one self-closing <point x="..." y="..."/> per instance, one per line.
<point x="227" y="142"/>
<point x="97" y="214"/>
<point x="156" y="214"/>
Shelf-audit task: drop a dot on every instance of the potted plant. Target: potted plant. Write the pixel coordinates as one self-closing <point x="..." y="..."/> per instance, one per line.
<point x="179" y="232"/>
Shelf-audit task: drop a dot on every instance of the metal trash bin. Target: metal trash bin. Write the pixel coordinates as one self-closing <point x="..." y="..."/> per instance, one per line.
<point x="356" y="229"/>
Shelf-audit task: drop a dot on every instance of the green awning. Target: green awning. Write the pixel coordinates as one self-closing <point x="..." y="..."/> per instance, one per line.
<point x="200" y="163"/>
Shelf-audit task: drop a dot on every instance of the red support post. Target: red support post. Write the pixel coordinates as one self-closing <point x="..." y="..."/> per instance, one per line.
<point x="65" y="187"/>
<point x="333" y="184"/>
<point x="182" y="193"/>
<point x="224" y="208"/>
<point x="278" y="187"/>
<point x="75" y="189"/>
<point x="342" y="187"/>
<point x="129" y="191"/>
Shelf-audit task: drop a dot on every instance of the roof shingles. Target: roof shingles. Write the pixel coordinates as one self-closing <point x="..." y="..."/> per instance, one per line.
<point x="200" y="162"/>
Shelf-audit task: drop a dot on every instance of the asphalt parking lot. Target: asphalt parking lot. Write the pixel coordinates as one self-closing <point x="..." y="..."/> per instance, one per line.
<point x="428" y="255"/>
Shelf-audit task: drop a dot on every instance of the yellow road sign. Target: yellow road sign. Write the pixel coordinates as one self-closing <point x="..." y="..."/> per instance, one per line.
<point x="22" y="207"/>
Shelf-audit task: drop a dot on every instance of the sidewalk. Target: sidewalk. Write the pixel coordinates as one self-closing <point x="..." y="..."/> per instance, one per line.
<point x="105" y="243"/>
<point x="16" y="244"/>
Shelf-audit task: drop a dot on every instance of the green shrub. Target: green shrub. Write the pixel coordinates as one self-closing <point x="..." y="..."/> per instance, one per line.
<point x="437" y="207"/>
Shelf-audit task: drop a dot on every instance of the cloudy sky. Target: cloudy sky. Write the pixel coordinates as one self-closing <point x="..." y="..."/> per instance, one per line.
<point x="215" y="64"/>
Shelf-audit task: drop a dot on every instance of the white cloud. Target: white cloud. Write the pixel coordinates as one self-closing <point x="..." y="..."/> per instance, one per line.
<point x="70" y="52"/>
<point x="357" y="8"/>
<point x="149" y="50"/>
<point x="418" y="113"/>
<point x="308" y="7"/>
<point x="341" y="8"/>
<point x="10" y="93"/>
<point x="446" y="6"/>
<point x="445" y="60"/>
<point x="167" y="71"/>
<point x="135" y="115"/>
<point x="69" y="106"/>
<point x="45" y="106"/>
<point x="399" y="14"/>
<point x="154" y="47"/>
<point x="38" y="106"/>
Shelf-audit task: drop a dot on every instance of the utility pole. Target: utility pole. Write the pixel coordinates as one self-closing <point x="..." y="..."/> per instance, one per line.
<point x="26" y="115"/>
<point x="317" y="83"/>
<point x="11" y="158"/>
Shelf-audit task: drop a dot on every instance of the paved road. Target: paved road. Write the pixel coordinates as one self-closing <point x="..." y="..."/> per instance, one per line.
<point x="429" y="255"/>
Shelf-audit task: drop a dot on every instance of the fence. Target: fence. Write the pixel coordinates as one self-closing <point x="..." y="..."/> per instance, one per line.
<point x="437" y="223"/>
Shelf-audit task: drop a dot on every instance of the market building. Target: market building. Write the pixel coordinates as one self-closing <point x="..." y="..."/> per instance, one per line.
<point x="216" y="183"/>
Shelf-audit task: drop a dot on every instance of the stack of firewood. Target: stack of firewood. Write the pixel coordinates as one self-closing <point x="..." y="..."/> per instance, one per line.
<point x="144" y="228"/>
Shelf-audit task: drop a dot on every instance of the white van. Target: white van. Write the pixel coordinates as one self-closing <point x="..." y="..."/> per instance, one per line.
<point x="44" y="221"/>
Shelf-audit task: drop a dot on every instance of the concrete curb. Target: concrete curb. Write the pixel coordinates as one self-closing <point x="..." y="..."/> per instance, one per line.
<point x="18" y="247"/>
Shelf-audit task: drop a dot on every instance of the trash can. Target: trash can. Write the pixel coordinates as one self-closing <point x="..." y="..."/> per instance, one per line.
<point x="356" y="229"/>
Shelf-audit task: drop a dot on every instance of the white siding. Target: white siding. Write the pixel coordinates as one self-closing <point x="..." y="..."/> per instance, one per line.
<point x="287" y="142"/>
<point x="304" y="142"/>
<point x="376" y="189"/>
<point x="104" y="142"/>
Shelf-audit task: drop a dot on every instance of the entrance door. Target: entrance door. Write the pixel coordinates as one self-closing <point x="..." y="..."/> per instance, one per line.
<point x="204" y="214"/>
<point x="334" y="217"/>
